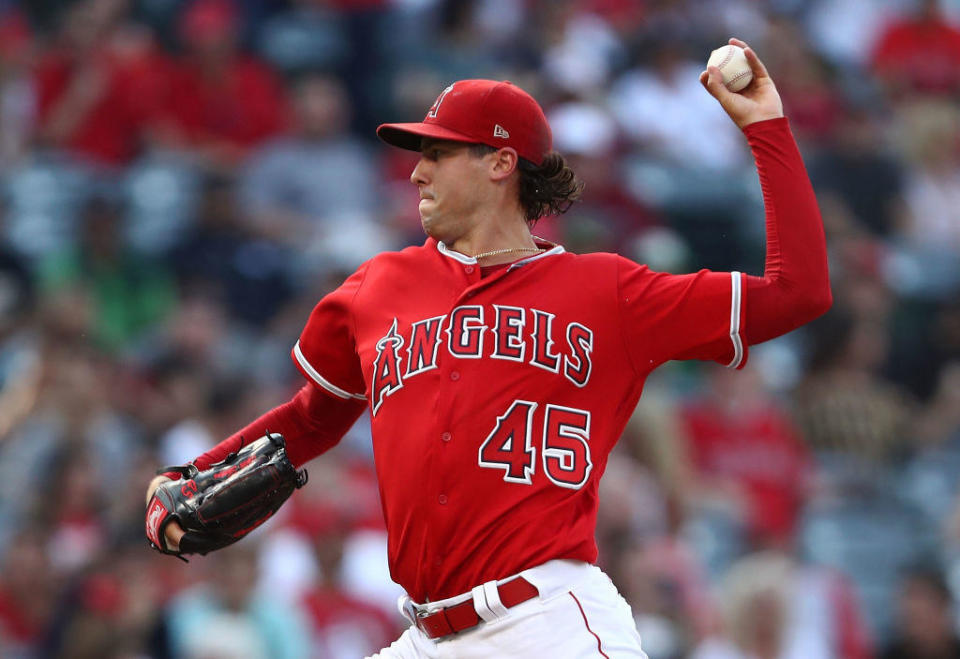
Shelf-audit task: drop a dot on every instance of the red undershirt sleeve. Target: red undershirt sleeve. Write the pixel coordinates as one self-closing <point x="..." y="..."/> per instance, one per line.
<point x="795" y="286"/>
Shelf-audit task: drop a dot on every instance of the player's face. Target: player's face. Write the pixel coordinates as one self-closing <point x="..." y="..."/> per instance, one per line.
<point x="451" y="183"/>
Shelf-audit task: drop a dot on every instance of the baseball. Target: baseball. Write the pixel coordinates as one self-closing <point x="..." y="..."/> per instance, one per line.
<point x="733" y="65"/>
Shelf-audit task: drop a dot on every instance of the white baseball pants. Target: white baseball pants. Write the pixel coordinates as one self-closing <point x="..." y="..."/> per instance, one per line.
<point x="579" y="613"/>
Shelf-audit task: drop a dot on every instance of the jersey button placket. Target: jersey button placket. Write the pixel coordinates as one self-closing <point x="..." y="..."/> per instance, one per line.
<point x="446" y="437"/>
<point x="454" y="375"/>
<point x="442" y="499"/>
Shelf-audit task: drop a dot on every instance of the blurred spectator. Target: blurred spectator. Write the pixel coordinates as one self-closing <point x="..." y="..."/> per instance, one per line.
<point x="669" y="595"/>
<point x="73" y="406"/>
<point x="688" y="161"/>
<point x="926" y="627"/>
<point x="110" y="611"/>
<point x="806" y="87"/>
<point x="775" y="608"/>
<point x="455" y="49"/>
<point x="586" y="51"/>
<point x="661" y="106"/>
<point x="225" y="616"/>
<point x="931" y="134"/>
<point x="220" y="258"/>
<point x="103" y="86"/>
<point x="306" y="36"/>
<point x="19" y="350"/>
<point x="224" y="102"/>
<point x="856" y="169"/>
<point x="846" y="30"/>
<point x="919" y="53"/>
<point x="607" y="218"/>
<point x="27" y="592"/>
<point x="343" y="625"/>
<point x="211" y="415"/>
<point x="311" y="190"/>
<point x="746" y="449"/>
<point x="17" y="91"/>
<point x="843" y="406"/>
<point x="72" y="509"/>
<point x="129" y="293"/>
<point x="939" y="422"/>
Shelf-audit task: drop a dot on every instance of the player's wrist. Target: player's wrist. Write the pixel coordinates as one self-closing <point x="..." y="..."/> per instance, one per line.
<point x="771" y="124"/>
<point x="173" y="534"/>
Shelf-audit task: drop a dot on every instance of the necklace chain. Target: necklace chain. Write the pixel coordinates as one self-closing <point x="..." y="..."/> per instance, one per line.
<point x="506" y="251"/>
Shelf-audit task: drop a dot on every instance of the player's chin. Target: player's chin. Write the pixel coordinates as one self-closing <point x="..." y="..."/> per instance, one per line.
<point x="427" y="221"/>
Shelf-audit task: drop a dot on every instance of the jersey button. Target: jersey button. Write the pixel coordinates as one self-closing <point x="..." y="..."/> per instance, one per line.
<point x="442" y="499"/>
<point x="454" y="375"/>
<point x="468" y="269"/>
<point x="446" y="437"/>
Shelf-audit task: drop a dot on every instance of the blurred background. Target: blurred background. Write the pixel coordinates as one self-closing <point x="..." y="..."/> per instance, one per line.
<point x="181" y="181"/>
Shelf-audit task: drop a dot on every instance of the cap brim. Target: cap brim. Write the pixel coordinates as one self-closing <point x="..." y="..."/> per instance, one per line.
<point x="408" y="136"/>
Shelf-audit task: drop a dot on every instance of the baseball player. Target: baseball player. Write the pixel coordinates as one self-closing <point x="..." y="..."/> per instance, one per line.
<point x="500" y="370"/>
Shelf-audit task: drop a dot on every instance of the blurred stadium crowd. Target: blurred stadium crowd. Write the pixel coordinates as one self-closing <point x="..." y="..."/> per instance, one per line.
<point x="183" y="179"/>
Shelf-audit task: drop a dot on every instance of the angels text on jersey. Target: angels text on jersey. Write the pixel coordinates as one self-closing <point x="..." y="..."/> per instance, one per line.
<point x="525" y="336"/>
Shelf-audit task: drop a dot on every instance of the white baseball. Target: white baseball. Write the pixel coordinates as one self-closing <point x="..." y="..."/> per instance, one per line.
<point x="733" y="65"/>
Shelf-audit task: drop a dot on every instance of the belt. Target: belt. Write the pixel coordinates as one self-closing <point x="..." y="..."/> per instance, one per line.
<point x="460" y="617"/>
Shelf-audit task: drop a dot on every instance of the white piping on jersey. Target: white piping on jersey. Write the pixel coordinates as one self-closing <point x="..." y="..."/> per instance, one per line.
<point x="446" y="251"/>
<point x="735" y="296"/>
<point x="319" y="379"/>
<point x="463" y="258"/>
<point x="557" y="249"/>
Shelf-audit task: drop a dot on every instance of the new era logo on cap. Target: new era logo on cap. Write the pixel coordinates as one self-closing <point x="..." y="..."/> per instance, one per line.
<point x="479" y="112"/>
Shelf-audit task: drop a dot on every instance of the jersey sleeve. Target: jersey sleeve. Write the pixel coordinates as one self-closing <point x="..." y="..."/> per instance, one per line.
<point x="327" y="352"/>
<point x="693" y="316"/>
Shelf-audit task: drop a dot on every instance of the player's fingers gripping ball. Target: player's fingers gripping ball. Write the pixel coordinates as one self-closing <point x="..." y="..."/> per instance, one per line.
<point x="733" y="65"/>
<point x="221" y="504"/>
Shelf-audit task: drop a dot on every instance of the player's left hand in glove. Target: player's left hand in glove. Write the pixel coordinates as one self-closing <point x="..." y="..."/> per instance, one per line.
<point x="219" y="505"/>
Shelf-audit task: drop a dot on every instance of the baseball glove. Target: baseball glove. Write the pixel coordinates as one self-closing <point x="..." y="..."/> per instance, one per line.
<point x="221" y="504"/>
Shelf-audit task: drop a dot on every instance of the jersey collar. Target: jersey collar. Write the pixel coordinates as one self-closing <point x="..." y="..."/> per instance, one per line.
<point x="552" y="250"/>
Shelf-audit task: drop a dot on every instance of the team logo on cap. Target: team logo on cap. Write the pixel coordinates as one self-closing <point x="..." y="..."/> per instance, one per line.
<point x="432" y="112"/>
<point x="500" y="131"/>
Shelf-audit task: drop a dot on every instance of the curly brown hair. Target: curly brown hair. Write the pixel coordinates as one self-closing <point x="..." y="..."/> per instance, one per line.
<point x="550" y="188"/>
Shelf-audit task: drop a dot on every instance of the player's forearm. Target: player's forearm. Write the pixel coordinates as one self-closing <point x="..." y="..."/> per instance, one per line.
<point x="795" y="287"/>
<point x="311" y="423"/>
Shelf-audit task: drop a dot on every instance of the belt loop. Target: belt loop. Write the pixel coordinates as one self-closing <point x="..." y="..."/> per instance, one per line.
<point x="492" y="594"/>
<point x="407" y="609"/>
<point x="480" y="604"/>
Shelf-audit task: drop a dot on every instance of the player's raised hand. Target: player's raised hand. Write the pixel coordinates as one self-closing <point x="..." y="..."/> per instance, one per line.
<point x="756" y="102"/>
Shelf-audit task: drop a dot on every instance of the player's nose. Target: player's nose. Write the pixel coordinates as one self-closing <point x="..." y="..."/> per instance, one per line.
<point x="419" y="174"/>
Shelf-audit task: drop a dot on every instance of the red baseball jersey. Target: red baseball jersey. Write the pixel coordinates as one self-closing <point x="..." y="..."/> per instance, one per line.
<point x="496" y="400"/>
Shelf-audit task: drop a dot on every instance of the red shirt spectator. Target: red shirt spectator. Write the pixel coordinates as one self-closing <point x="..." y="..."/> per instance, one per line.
<point x="741" y="442"/>
<point x="344" y="626"/>
<point x="100" y="88"/>
<point x="920" y="53"/>
<point x="223" y="102"/>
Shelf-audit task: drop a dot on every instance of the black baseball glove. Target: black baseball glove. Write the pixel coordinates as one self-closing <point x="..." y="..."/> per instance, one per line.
<point x="221" y="504"/>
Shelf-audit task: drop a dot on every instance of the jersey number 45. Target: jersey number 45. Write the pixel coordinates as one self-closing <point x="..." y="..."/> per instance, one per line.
<point x="564" y="446"/>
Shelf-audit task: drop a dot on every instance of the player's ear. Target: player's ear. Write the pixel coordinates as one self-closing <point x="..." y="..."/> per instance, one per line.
<point x="503" y="163"/>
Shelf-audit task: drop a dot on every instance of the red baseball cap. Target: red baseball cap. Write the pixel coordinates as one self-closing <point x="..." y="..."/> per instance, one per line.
<point x="488" y="112"/>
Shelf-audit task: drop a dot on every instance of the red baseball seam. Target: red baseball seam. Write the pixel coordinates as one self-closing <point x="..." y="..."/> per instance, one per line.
<point x="587" y="623"/>
<point x="726" y="58"/>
